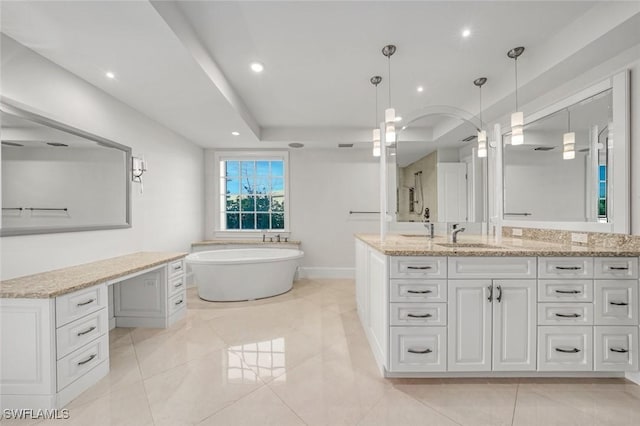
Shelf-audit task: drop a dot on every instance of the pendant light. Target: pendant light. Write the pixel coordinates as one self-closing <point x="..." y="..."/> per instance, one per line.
<point x="375" y="80"/>
<point x="569" y="141"/>
<point x="517" y="118"/>
<point x="389" y="113"/>
<point x="482" y="134"/>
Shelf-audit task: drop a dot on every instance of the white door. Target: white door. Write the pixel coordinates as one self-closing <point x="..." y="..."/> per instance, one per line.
<point x="469" y="325"/>
<point x="514" y="325"/>
<point x="452" y="192"/>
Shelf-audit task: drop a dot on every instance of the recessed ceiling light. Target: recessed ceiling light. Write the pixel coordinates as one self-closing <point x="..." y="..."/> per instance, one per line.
<point x="466" y="32"/>
<point x="257" y="67"/>
<point x="235" y="133"/>
<point x="110" y="75"/>
<point x="398" y="119"/>
<point x="420" y="89"/>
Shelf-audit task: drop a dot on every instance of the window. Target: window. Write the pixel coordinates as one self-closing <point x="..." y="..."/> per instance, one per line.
<point x="602" y="192"/>
<point x="253" y="192"/>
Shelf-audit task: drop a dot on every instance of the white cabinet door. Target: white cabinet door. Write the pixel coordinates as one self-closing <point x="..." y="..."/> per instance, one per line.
<point x="514" y="325"/>
<point x="616" y="302"/>
<point x="616" y="348"/>
<point x="361" y="279"/>
<point x="377" y="324"/>
<point x="565" y="348"/>
<point x="418" y="349"/>
<point x="469" y="330"/>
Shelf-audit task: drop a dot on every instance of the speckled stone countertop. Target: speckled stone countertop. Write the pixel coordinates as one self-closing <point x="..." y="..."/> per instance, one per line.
<point x="243" y="242"/>
<point x="403" y="245"/>
<point x="62" y="281"/>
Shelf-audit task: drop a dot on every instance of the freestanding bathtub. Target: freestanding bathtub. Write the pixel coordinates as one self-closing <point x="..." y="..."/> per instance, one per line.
<point x="243" y="274"/>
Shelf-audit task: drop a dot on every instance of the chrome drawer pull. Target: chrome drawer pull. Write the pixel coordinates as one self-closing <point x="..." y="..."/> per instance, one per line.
<point x="88" y="359"/>
<point x="619" y="268"/>
<point x="568" y="351"/>
<point x="180" y="283"/>
<point x="620" y="351"/>
<point x="88" y="330"/>
<point x="419" y="316"/>
<point x="419" y="291"/>
<point x="569" y="268"/>
<point x="619" y="303"/>
<point x="568" y="291"/>
<point x="490" y="288"/>
<point x="179" y="302"/>
<point x="177" y="267"/>
<point x="568" y="315"/>
<point x="416" y="351"/>
<point x="499" y="298"/>
<point x="419" y="267"/>
<point x="86" y="303"/>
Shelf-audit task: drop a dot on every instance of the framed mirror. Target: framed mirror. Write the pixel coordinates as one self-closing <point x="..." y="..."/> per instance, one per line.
<point x="56" y="178"/>
<point x="572" y="170"/>
<point x="438" y="175"/>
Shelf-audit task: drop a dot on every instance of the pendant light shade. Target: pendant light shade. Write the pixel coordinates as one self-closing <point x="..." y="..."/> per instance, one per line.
<point x="375" y="137"/>
<point x="569" y="141"/>
<point x="517" y="118"/>
<point x="389" y="113"/>
<point x="482" y="134"/>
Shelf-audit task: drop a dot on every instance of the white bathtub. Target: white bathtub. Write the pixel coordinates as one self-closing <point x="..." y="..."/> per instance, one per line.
<point x="243" y="274"/>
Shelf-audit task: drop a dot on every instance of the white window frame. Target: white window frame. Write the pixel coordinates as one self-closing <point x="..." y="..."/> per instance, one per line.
<point x="213" y="210"/>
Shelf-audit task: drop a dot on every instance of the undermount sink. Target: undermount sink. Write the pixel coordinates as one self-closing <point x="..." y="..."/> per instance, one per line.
<point x="469" y="245"/>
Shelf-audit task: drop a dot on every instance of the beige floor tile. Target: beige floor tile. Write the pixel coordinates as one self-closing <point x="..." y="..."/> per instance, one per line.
<point x="471" y="403"/>
<point x="128" y="406"/>
<point x="328" y="392"/>
<point x="262" y="407"/>
<point x="396" y="408"/>
<point x="334" y="300"/>
<point x="189" y="341"/>
<point x="533" y="409"/>
<point x="192" y="392"/>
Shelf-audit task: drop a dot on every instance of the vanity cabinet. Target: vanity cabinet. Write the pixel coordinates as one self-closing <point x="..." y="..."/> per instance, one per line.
<point x="430" y="315"/>
<point x="55" y="346"/>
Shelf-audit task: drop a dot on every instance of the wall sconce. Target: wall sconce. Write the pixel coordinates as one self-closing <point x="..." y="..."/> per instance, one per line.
<point x="138" y="167"/>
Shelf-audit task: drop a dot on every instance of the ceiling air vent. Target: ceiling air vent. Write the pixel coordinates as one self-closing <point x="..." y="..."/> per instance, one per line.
<point x="7" y="143"/>
<point x="57" y="144"/>
<point x="296" y="145"/>
<point x="345" y="145"/>
<point x="544" y="148"/>
<point x="469" y="138"/>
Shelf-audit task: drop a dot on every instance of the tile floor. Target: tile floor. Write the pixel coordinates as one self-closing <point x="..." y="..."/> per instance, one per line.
<point x="302" y="358"/>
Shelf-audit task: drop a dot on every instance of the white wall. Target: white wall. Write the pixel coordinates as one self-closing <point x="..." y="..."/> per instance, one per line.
<point x="168" y="216"/>
<point x="325" y="186"/>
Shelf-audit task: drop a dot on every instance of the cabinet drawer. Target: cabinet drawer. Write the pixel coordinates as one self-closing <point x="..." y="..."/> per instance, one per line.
<point x="565" y="348"/>
<point x="408" y="314"/>
<point x="176" y="285"/>
<point x="77" y="363"/>
<point x="616" y="267"/>
<point x="418" y="349"/>
<point x="565" y="291"/>
<point x="565" y="314"/>
<point x="177" y="302"/>
<point x="616" y="302"/>
<point x="418" y="267"/>
<point x="492" y="267"/>
<point x="80" y="332"/>
<point x="176" y="267"/>
<point x="565" y="267"/>
<point x="616" y="348"/>
<point x="75" y="305"/>
<point x="418" y="291"/>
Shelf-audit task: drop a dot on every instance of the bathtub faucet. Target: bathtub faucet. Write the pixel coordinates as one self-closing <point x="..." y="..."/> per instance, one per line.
<point x="278" y="238"/>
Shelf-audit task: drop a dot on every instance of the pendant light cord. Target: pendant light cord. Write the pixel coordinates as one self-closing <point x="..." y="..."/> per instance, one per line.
<point x="481" y="126"/>
<point x="516" y="68"/>
<point x="568" y="120"/>
<point x="389" y="62"/>
<point x="375" y="125"/>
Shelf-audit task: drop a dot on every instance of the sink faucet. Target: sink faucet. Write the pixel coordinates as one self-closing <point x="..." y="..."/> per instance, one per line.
<point x="430" y="227"/>
<point x="454" y="234"/>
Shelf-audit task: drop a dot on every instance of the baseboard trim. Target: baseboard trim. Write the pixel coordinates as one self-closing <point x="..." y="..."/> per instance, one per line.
<point x="326" y="272"/>
<point x="634" y="377"/>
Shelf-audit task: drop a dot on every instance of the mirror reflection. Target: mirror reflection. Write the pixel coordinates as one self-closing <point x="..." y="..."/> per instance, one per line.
<point x="549" y="178"/>
<point x="56" y="181"/>
<point x="440" y="179"/>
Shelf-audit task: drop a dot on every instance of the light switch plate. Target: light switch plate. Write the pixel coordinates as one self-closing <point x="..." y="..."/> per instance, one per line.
<point x="516" y="232"/>
<point x="579" y="237"/>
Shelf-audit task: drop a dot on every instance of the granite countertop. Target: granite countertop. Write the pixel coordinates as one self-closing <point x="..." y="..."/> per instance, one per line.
<point x="404" y="245"/>
<point x="243" y="242"/>
<point x="66" y="280"/>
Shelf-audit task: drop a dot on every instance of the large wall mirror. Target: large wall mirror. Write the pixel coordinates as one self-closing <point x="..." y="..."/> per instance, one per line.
<point x="439" y="177"/>
<point x="572" y="167"/>
<point x="56" y="178"/>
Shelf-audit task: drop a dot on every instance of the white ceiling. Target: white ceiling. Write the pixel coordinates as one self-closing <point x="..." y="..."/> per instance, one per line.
<point x="188" y="66"/>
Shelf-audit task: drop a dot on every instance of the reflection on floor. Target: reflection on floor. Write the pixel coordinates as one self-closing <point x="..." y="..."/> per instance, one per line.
<point x="302" y="358"/>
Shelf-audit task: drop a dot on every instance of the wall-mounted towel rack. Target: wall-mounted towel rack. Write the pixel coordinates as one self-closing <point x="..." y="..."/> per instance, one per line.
<point x="361" y="212"/>
<point x="518" y="214"/>
<point x="13" y="208"/>
<point x="63" y="209"/>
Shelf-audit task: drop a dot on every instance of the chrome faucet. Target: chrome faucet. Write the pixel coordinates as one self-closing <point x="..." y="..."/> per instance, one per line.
<point x="455" y="232"/>
<point x="278" y="238"/>
<point x="431" y="228"/>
